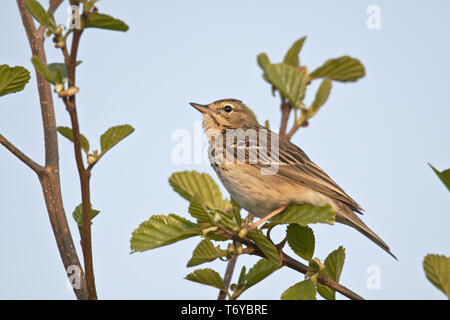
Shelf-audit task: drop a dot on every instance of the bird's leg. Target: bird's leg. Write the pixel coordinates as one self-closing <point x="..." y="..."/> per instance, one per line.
<point x="270" y="215"/>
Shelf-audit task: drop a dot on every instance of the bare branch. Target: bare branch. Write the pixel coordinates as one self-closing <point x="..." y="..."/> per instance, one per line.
<point x="23" y="157"/>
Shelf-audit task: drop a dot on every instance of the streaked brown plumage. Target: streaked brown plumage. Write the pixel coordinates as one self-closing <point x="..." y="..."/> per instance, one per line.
<point x="297" y="179"/>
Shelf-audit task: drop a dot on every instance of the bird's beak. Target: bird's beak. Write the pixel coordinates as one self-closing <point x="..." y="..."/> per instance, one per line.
<point x="200" y="107"/>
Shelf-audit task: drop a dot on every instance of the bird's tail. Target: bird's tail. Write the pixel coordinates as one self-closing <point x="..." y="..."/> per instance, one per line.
<point x="346" y="216"/>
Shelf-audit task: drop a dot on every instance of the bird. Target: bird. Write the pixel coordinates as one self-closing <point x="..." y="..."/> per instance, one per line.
<point x="237" y="156"/>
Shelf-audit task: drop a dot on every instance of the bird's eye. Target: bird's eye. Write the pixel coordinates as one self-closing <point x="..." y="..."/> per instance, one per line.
<point x="228" y="109"/>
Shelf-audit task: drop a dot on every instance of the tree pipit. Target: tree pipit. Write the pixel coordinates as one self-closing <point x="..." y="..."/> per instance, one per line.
<point x="265" y="173"/>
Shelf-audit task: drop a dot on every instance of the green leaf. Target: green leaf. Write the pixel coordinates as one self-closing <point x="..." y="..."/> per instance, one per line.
<point x="321" y="97"/>
<point x="334" y="264"/>
<point x="242" y="278"/>
<point x="161" y="230"/>
<point x="265" y="245"/>
<point x="205" y="252"/>
<point x="304" y="214"/>
<point x="43" y="70"/>
<point x="340" y="69"/>
<point x="263" y="61"/>
<point x="443" y="175"/>
<point x="301" y="240"/>
<point x="262" y="269"/>
<point x="59" y="69"/>
<point x="236" y="210"/>
<point x="437" y="270"/>
<point x="207" y="276"/>
<point x="290" y="81"/>
<point x="78" y="214"/>
<point x="198" y="211"/>
<point x="291" y="56"/>
<point x="12" y="79"/>
<point x="68" y="133"/>
<point x="304" y="290"/>
<point x="39" y="13"/>
<point x="104" y="21"/>
<point x="189" y="184"/>
<point x="114" y="135"/>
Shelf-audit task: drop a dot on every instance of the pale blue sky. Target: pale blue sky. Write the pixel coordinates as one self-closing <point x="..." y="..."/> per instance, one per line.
<point x="374" y="137"/>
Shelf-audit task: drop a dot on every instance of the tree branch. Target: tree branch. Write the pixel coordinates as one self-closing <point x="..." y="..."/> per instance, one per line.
<point x="50" y="181"/>
<point x="22" y="157"/>
<point x="84" y="174"/>
<point x="285" y="112"/>
<point x="302" y="122"/>
<point x="293" y="264"/>
<point x="228" y="275"/>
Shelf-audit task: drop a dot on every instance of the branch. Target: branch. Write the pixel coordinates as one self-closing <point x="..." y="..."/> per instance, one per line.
<point x="50" y="181"/>
<point x="302" y="122"/>
<point x="293" y="264"/>
<point x="322" y="279"/>
<point x="228" y="275"/>
<point x="285" y="112"/>
<point x="84" y="174"/>
<point x="23" y="157"/>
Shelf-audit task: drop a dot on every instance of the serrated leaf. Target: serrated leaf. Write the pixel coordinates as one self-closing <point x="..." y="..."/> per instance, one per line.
<point x="264" y="244"/>
<point x="301" y="240"/>
<point x="39" y="13"/>
<point x="304" y="290"/>
<point x="444" y="176"/>
<point x="344" y="68"/>
<point x="77" y="214"/>
<point x="207" y="276"/>
<point x="205" y="252"/>
<point x="43" y="70"/>
<point x="104" y="21"/>
<point x="291" y="56"/>
<point x="161" y="230"/>
<point x="68" y="133"/>
<point x="437" y="271"/>
<point x="12" y="79"/>
<point x="189" y="184"/>
<point x="304" y="214"/>
<point x="113" y="136"/>
<point x="290" y="81"/>
<point x="334" y="264"/>
<point x="321" y="97"/>
<point x="198" y="211"/>
<point x="260" y="270"/>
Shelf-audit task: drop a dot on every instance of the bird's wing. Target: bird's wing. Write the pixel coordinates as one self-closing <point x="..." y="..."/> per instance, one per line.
<point x="295" y="165"/>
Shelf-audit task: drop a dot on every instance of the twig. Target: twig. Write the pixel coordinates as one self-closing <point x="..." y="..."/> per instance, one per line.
<point x="50" y="180"/>
<point x="322" y="279"/>
<point x="293" y="264"/>
<point x="228" y="275"/>
<point x="23" y="157"/>
<point x="303" y="121"/>
<point x="84" y="174"/>
<point x="285" y="112"/>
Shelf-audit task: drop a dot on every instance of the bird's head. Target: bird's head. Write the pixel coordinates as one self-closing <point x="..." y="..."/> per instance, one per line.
<point x="225" y="114"/>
